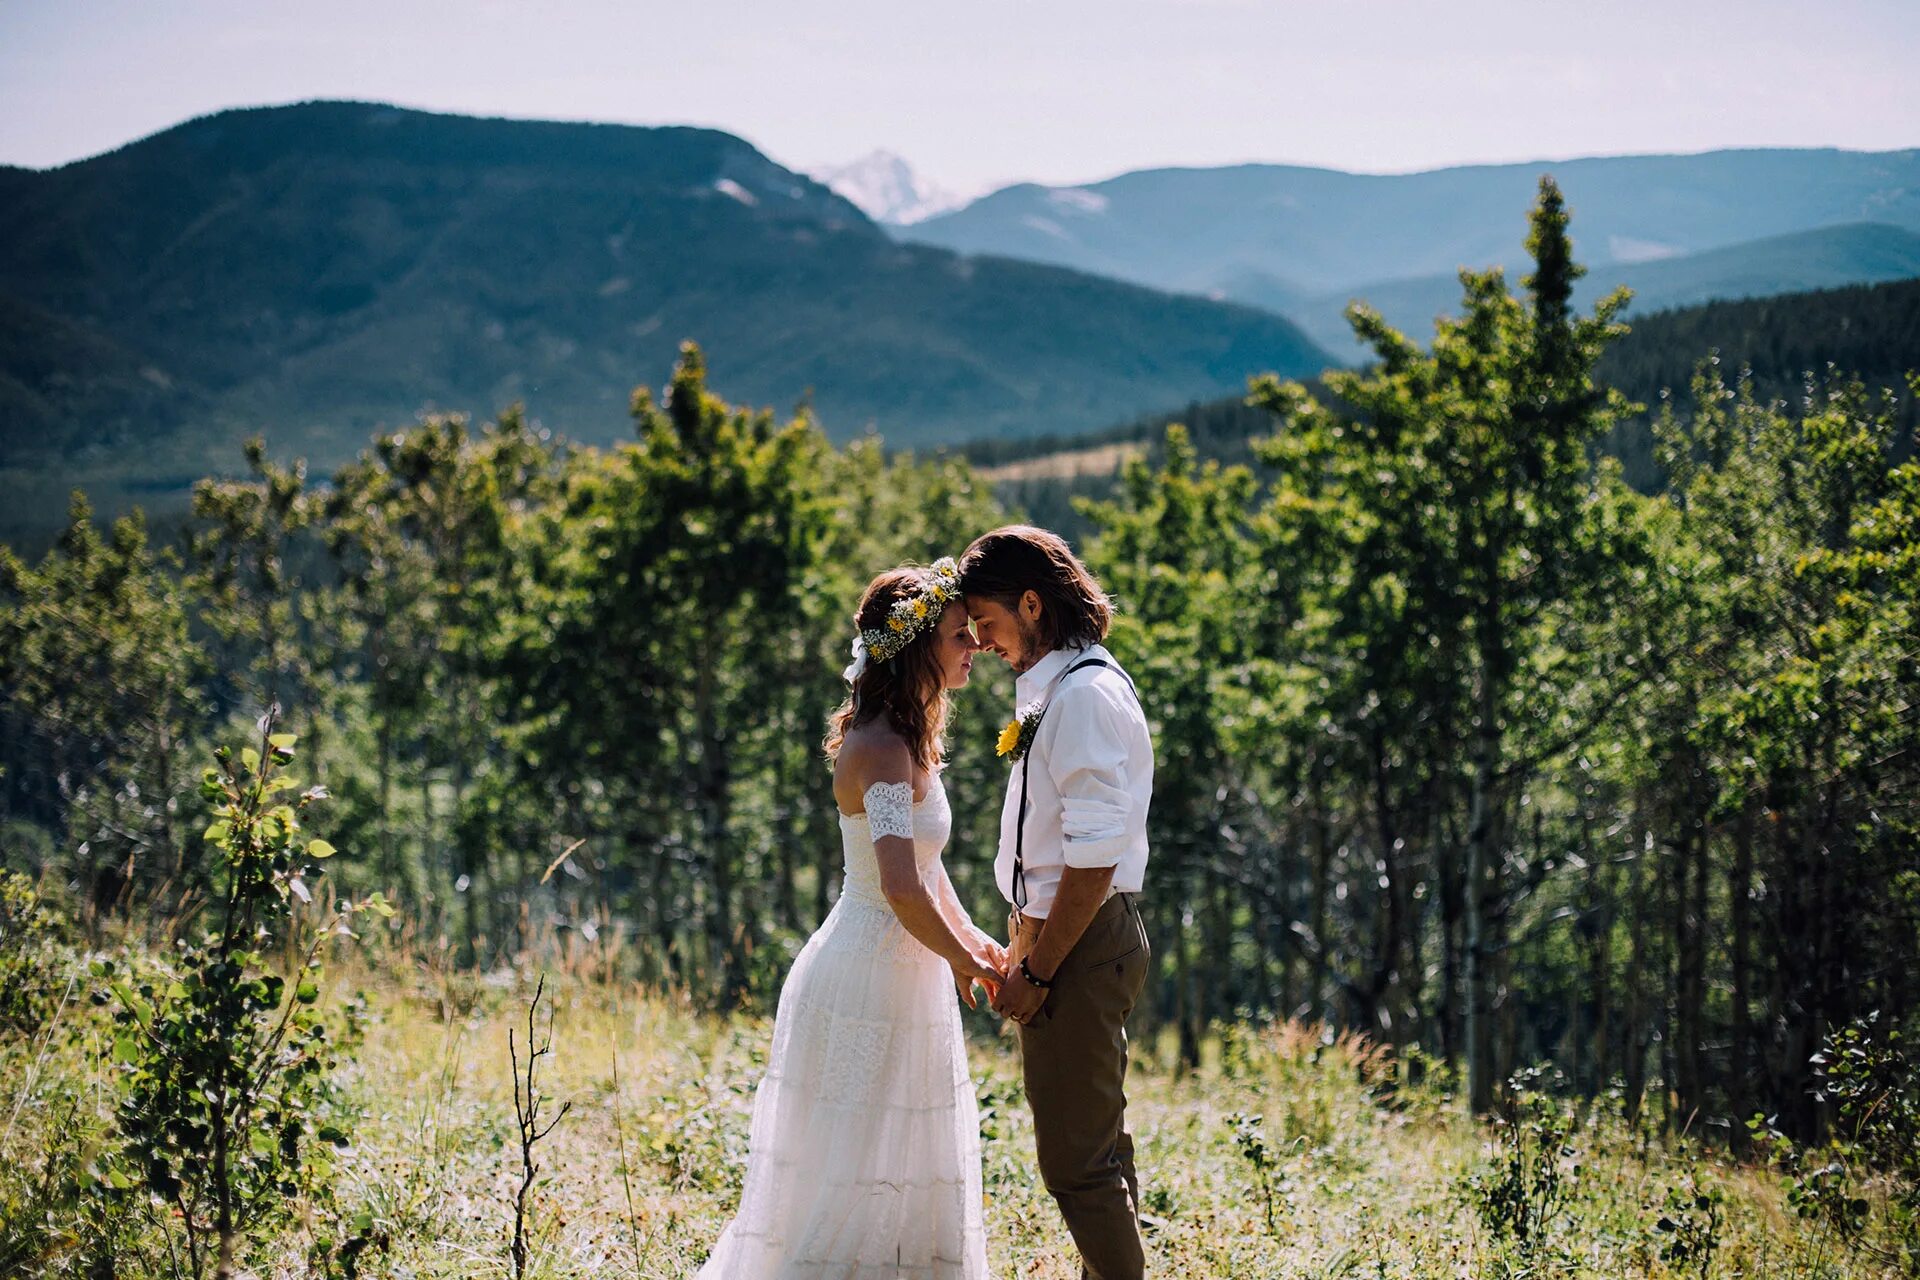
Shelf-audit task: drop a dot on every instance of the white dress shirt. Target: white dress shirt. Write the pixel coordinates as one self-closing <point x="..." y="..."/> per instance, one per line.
<point x="1090" y="781"/>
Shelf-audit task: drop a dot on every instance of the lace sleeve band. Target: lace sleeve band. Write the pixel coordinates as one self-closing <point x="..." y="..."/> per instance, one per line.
<point x="890" y="809"/>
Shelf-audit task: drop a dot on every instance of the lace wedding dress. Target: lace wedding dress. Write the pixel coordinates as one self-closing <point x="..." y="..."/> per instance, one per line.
<point x="864" y="1158"/>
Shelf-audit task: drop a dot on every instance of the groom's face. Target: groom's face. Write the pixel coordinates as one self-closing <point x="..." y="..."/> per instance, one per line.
<point x="1013" y="633"/>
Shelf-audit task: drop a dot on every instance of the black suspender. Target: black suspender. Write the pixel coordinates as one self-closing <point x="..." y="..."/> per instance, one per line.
<point x="1026" y="761"/>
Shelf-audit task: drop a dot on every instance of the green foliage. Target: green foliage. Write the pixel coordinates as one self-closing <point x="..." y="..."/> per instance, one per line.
<point x="1820" y="1188"/>
<point x="36" y="958"/>
<point x="417" y="530"/>
<point x="240" y="545"/>
<point x="1250" y="1139"/>
<point x="1690" y="1230"/>
<point x="1447" y="539"/>
<point x="1176" y="552"/>
<point x="1873" y="1081"/>
<point x="99" y="694"/>
<point x="224" y="1060"/>
<point x="1524" y="1191"/>
<point x="1783" y="343"/>
<point x="64" y="1211"/>
<point x="1869" y="1074"/>
<point x="1825" y="1194"/>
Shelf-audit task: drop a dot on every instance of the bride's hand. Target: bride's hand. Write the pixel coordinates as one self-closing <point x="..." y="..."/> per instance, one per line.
<point x="985" y="963"/>
<point x="989" y="950"/>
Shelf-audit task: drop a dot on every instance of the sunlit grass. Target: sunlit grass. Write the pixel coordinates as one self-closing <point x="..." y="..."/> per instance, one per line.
<point x="1366" y="1179"/>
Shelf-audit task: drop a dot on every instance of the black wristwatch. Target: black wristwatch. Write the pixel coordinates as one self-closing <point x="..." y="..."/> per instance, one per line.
<point x="1028" y="974"/>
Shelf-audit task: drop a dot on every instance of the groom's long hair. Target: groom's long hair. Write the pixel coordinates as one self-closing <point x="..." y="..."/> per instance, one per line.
<point x="1017" y="558"/>
<point x="908" y="689"/>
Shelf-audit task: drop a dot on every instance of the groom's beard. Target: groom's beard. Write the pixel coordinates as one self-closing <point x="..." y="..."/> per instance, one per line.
<point x="1030" y="650"/>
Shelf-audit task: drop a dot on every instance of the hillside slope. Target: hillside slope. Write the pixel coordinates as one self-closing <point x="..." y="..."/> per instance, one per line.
<point x="1825" y="258"/>
<point x="1303" y="240"/>
<point x="317" y="270"/>
<point x="1867" y="331"/>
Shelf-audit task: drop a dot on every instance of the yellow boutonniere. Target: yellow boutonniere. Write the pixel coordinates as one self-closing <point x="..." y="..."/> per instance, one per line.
<point x="1017" y="736"/>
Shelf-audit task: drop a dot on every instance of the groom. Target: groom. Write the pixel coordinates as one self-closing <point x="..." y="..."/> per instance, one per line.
<point x="1073" y="853"/>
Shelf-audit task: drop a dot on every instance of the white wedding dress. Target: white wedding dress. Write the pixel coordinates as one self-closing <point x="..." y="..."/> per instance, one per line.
<point x="864" y="1158"/>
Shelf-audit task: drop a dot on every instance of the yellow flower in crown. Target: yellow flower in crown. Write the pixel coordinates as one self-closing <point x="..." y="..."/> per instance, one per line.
<point x="911" y="615"/>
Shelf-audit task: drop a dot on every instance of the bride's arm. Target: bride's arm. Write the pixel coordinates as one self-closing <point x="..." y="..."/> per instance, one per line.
<point x="956" y="915"/>
<point x="884" y="778"/>
<point x="938" y="924"/>
<point x="961" y="923"/>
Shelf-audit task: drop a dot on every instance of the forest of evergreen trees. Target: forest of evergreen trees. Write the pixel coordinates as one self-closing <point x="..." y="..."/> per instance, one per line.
<point x="1871" y="332"/>
<point x="1465" y="741"/>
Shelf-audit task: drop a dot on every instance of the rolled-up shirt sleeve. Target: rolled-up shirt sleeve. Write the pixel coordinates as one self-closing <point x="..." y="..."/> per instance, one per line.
<point x="1087" y="758"/>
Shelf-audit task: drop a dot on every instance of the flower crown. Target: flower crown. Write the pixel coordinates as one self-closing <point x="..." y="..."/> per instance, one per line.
<point x="909" y="616"/>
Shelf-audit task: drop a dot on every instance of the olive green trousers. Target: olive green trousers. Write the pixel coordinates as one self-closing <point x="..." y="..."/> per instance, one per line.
<point x="1073" y="1055"/>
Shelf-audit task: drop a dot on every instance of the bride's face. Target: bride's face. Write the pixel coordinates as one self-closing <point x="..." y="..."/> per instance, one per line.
<point x="954" y="646"/>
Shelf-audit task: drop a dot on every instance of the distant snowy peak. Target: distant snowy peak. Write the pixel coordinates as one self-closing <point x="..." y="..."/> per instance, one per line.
<point x="888" y="190"/>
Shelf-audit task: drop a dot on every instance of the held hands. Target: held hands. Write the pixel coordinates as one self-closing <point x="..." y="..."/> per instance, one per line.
<point x="985" y="963"/>
<point x="1018" y="999"/>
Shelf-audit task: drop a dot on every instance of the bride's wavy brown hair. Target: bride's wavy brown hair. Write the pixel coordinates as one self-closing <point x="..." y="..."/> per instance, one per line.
<point x="908" y="689"/>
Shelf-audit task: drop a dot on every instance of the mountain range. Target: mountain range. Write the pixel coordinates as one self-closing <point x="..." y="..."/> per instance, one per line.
<point x="1303" y="242"/>
<point x="319" y="270"/>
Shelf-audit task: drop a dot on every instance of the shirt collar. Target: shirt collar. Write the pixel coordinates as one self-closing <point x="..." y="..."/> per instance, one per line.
<point x="1031" y="685"/>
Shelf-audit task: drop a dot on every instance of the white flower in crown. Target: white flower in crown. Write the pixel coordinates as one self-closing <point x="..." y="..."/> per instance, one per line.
<point x="910" y="615"/>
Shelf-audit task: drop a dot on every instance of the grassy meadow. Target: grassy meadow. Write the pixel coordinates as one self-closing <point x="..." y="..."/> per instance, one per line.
<point x="1289" y="1153"/>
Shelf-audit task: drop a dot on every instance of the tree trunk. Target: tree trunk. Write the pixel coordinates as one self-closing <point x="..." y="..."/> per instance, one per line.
<point x="383" y="750"/>
<point x="1223" y="985"/>
<point x="725" y="951"/>
<point x="1449" y="888"/>
<point x="1482" y="855"/>
<point x="1388" y="942"/>
<point x="1322" y="874"/>
<point x="1186" y="1016"/>
<point x="1739" y="906"/>
<point x="1693" y="1046"/>
<point x="1599" y="924"/>
<point x="1636" y="1031"/>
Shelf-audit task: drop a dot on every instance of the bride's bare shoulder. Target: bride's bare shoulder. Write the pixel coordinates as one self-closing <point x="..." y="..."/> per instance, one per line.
<point x="870" y="753"/>
<point x="874" y="752"/>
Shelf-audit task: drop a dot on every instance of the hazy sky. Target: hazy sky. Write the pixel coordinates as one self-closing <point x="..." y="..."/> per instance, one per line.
<point x="980" y="92"/>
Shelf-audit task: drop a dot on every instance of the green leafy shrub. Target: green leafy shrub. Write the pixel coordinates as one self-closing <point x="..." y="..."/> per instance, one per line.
<point x="36" y="957"/>
<point x="1690" y="1229"/>
<point x="63" y="1210"/>
<point x="1522" y="1192"/>
<point x="1866" y="1073"/>
<point x="225" y="1060"/>
<point x="1250" y="1138"/>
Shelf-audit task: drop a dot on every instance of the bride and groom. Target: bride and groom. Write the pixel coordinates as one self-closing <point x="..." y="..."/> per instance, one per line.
<point x="864" y="1154"/>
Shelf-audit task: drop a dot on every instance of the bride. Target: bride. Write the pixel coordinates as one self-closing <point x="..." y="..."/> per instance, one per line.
<point x="864" y="1157"/>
